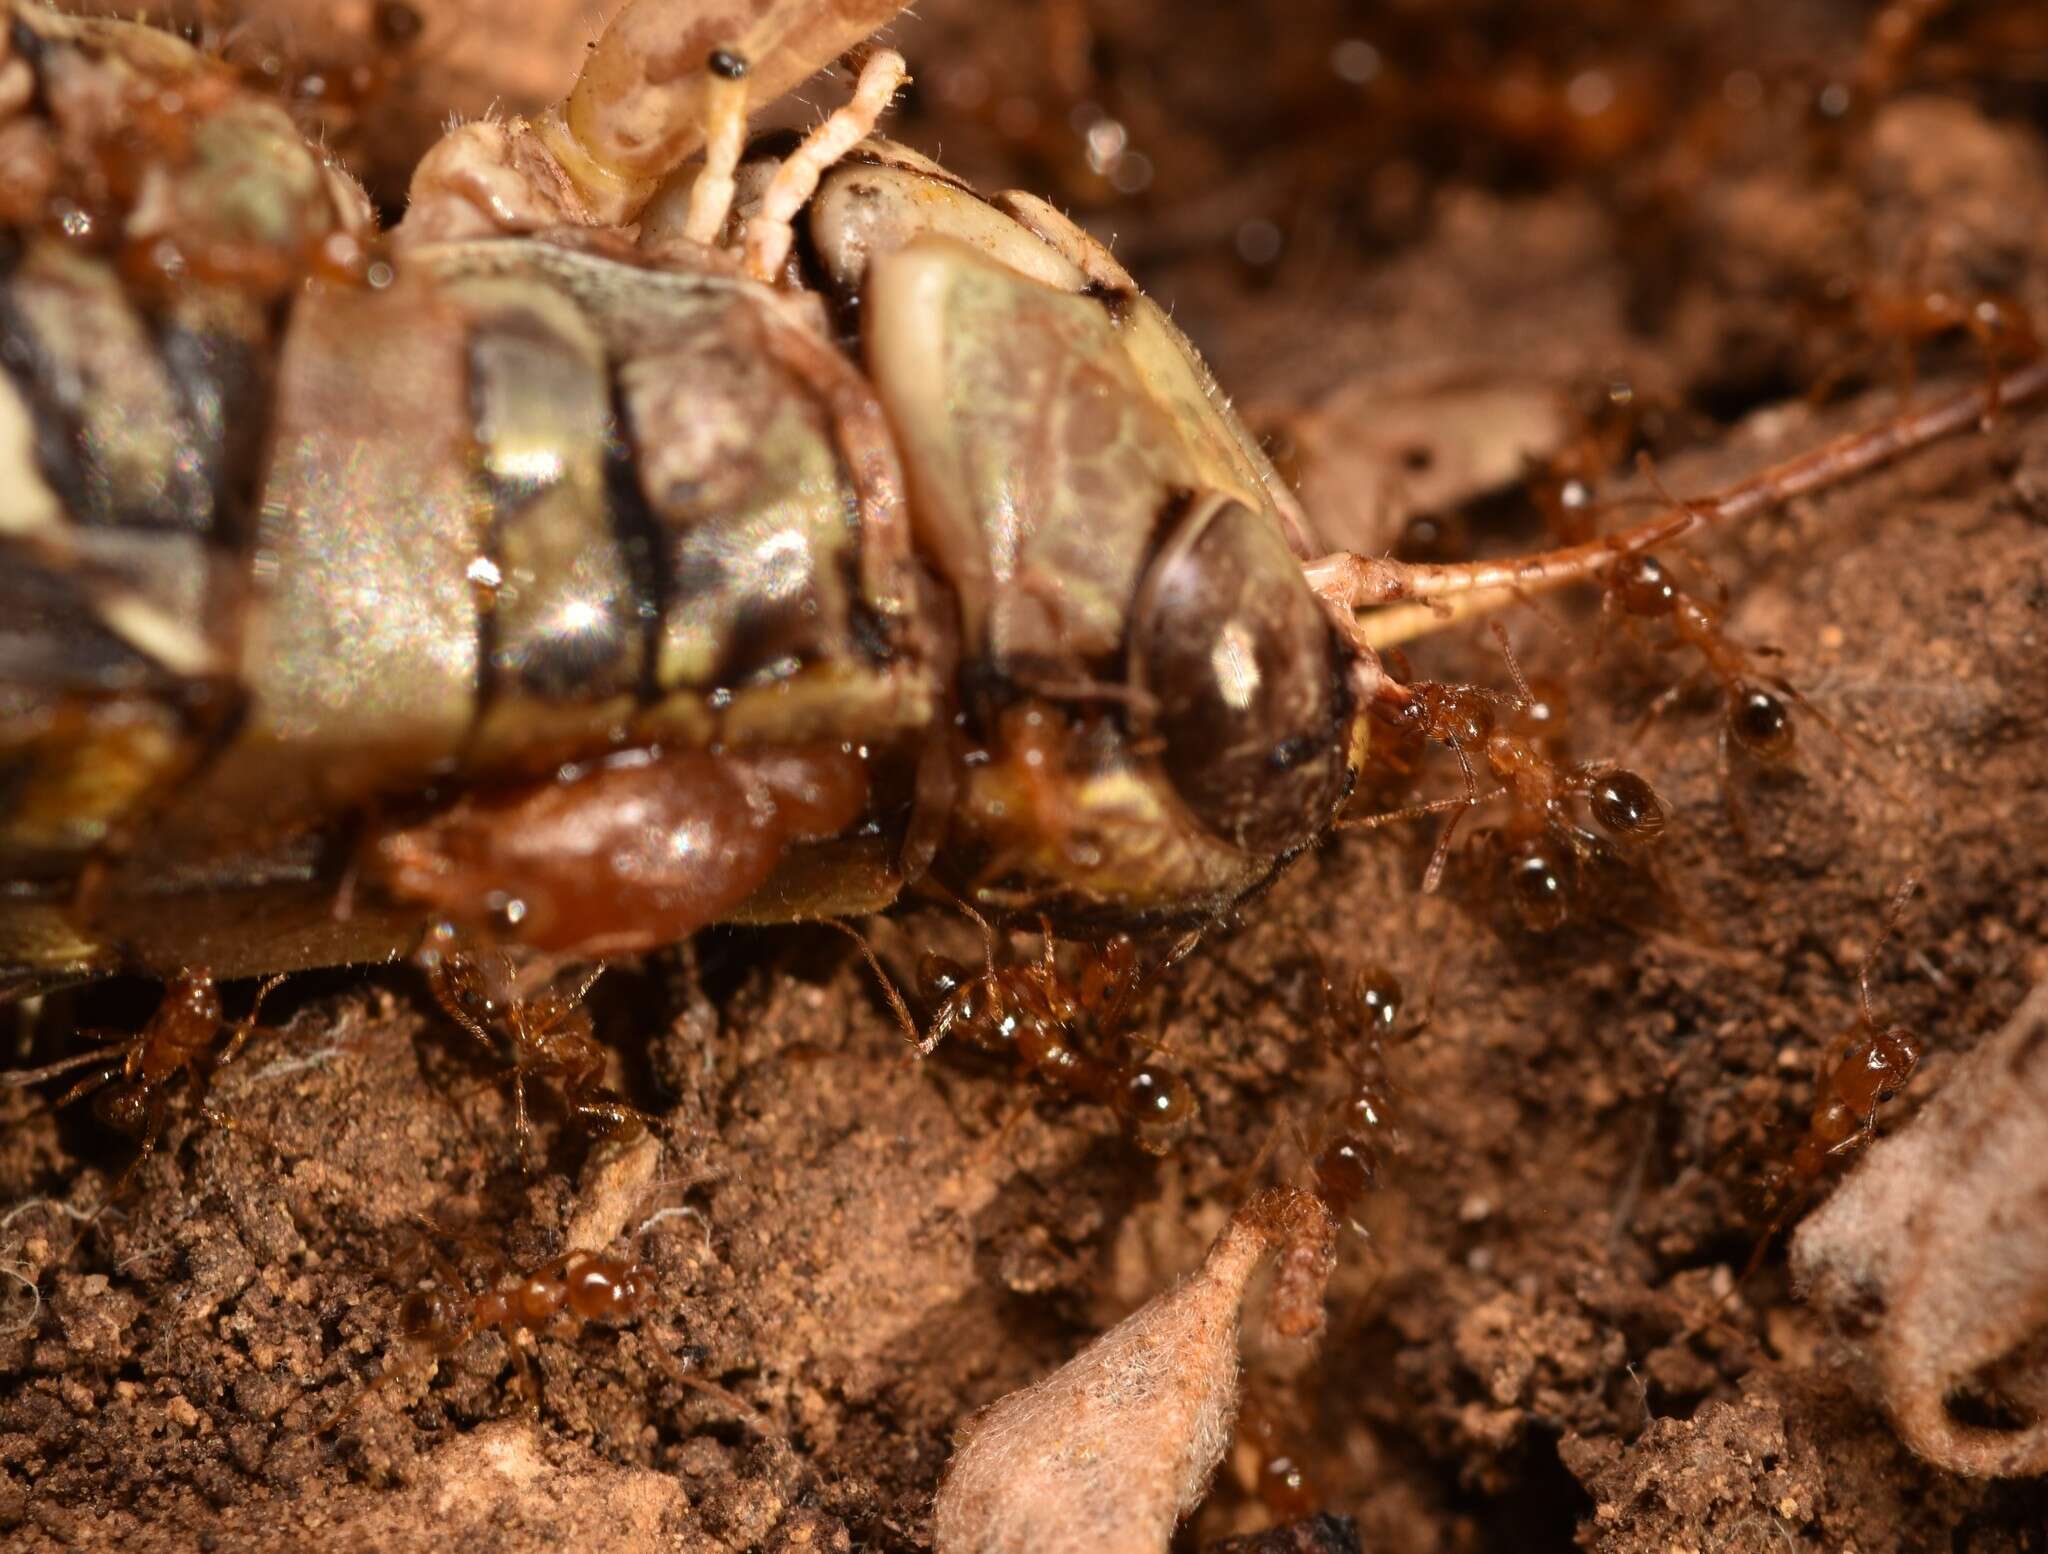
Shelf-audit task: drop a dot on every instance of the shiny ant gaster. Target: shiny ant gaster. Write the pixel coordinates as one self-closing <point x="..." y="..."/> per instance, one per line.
<point x="438" y="1319"/>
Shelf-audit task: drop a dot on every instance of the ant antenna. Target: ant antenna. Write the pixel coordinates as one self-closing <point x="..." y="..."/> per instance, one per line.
<point x="988" y="933"/>
<point x="921" y="1042"/>
<point x="1507" y="650"/>
<point x="1892" y="915"/>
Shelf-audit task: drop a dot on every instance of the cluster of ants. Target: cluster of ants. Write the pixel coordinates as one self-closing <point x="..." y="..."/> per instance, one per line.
<point x="1576" y="839"/>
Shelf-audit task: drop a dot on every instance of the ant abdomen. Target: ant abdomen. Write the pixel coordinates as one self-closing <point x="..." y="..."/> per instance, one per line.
<point x="1538" y="882"/>
<point x="1627" y="808"/>
<point x="1761" y="723"/>
<point x="1345" y="1170"/>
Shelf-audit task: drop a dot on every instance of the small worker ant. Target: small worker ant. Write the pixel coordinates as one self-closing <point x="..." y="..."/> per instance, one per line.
<point x="1912" y="316"/>
<point x="438" y="1318"/>
<point x="131" y="1093"/>
<point x="549" y="1030"/>
<point x="1052" y="1027"/>
<point x="1868" y="1064"/>
<point x="1550" y="861"/>
<point x="1756" y="704"/>
<point x="1359" y="1126"/>
<point x="442" y="1313"/>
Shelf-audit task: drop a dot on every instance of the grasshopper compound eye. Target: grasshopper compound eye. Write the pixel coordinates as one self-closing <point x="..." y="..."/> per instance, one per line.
<point x="1243" y="681"/>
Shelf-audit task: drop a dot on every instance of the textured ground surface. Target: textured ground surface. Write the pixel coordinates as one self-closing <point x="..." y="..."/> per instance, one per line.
<point x="1526" y="1353"/>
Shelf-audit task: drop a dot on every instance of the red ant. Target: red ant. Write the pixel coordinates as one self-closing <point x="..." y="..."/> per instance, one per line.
<point x="1911" y="316"/>
<point x="131" y="1094"/>
<point x="1050" y="1027"/>
<point x="1282" y="1482"/>
<point x="438" y="1318"/>
<point x="1606" y="426"/>
<point x="1867" y="1066"/>
<point x="1548" y="856"/>
<point x="1348" y="1160"/>
<point x="442" y="1314"/>
<point x="549" y="1031"/>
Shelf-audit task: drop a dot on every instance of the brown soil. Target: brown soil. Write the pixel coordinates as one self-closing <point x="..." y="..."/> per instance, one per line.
<point x="1528" y="1351"/>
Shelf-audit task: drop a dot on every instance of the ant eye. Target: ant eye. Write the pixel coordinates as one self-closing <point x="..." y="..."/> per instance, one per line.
<point x="1627" y="808"/>
<point x="1242" y="665"/>
<point x="1159" y="1107"/>
<point x="1760" y="723"/>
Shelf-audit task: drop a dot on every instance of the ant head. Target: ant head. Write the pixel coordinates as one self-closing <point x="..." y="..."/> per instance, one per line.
<point x="192" y="994"/>
<point x="634" y="1287"/>
<point x="1645" y="585"/>
<point x="1459" y="715"/>
<point x="124" y="1108"/>
<point x="429" y="1315"/>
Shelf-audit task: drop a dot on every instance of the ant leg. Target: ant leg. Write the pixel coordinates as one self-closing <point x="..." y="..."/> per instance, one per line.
<point x="725" y="137"/>
<point x="1507" y="651"/>
<point x="31" y="1076"/>
<point x="1737" y="820"/>
<point x="148" y="1136"/>
<point x="91" y="1082"/>
<point x="246" y="1027"/>
<point x="1411" y="812"/>
<point x="1793" y="693"/>
<point x="769" y="234"/>
<point x="522" y="1126"/>
<point x="528" y="1387"/>
<point x="1892" y="914"/>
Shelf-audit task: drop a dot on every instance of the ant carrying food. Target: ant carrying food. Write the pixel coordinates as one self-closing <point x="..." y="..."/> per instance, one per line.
<point x="131" y="1093"/>
<point x="548" y="1029"/>
<point x="1063" y="1032"/>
